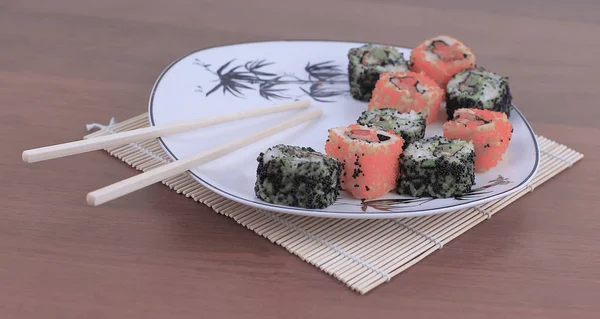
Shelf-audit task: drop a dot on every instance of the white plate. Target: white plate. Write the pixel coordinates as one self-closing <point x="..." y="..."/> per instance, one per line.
<point x="191" y="88"/>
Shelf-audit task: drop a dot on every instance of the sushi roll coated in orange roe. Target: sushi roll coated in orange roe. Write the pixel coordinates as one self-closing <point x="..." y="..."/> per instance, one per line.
<point x="489" y="131"/>
<point x="369" y="158"/>
<point x="440" y="58"/>
<point x="408" y="91"/>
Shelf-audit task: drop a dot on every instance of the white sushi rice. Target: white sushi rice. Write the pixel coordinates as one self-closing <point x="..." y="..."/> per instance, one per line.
<point x="426" y="149"/>
<point x="277" y="153"/>
<point x="407" y="120"/>
<point x="432" y="57"/>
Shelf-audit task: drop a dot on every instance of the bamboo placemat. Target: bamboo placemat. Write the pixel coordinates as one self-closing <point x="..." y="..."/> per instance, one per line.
<point x="363" y="254"/>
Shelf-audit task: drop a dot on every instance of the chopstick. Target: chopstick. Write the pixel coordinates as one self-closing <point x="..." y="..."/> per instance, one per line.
<point x="160" y="173"/>
<point x="103" y="142"/>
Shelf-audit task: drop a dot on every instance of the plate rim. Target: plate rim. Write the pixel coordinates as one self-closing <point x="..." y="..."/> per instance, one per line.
<point x="317" y="213"/>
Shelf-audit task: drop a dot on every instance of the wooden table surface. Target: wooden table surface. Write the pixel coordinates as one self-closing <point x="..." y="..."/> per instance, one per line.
<point x="153" y="254"/>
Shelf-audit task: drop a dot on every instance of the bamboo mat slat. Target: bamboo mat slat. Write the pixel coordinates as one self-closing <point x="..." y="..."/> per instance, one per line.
<point x="362" y="254"/>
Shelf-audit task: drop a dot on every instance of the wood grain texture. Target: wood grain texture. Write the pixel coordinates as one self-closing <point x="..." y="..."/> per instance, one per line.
<point x="153" y="254"/>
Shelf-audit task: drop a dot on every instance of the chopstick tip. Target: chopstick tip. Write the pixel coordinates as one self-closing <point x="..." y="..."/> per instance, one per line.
<point x="25" y="157"/>
<point x="91" y="199"/>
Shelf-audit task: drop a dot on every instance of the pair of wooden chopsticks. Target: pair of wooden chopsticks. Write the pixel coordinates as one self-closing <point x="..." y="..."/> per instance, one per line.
<point x="140" y="181"/>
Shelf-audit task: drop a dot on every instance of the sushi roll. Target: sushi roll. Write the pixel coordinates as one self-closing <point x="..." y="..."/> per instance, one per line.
<point x="408" y="91"/>
<point x="365" y="65"/>
<point x="478" y="88"/>
<point x="369" y="158"/>
<point x="410" y="126"/>
<point x="297" y="176"/>
<point x="437" y="167"/>
<point x="489" y="131"/>
<point x="440" y="58"/>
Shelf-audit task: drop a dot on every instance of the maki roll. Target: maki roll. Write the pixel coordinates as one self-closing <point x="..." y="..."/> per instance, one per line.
<point x="478" y="88"/>
<point x="365" y="65"/>
<point x="437" y="167"/>
<point x="410" y="126"/>
<point x="408" y="91"/>
<point x="369" y="157"/>
<point x="441" y="57"/>
<point x="489" y="131"/>
<point x="297" y="176"/>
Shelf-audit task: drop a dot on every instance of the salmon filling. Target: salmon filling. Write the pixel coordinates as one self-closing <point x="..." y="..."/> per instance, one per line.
<point x="446" y="52"/>
<point x="367" y="135"/>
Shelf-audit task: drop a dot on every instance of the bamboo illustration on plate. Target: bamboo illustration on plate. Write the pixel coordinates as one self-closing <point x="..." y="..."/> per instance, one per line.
<point x="393" y="204"/>
<point x="321" y="83"/>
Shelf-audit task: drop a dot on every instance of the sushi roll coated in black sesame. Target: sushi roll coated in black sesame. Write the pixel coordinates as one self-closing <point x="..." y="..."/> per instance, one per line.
<point x="365" y="65"/>
<point x="297" y="176"/>
<point x="480" y="89"/>
<point x="437" y="167"/>
<point x="410" y="126"/>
